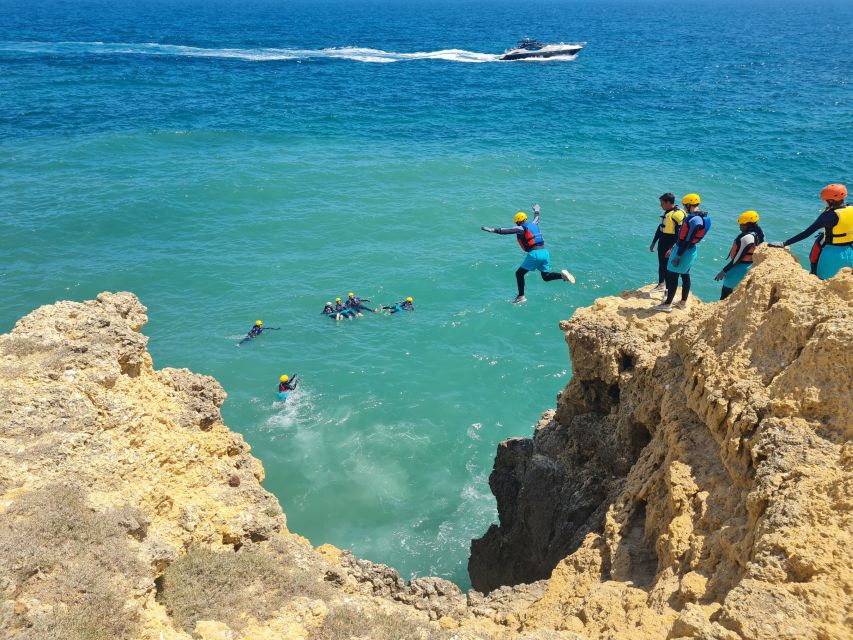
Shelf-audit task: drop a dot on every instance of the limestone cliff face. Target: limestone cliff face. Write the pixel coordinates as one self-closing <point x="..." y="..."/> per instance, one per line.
<point x="696" y="477"/>
<point x="694" y="481"/>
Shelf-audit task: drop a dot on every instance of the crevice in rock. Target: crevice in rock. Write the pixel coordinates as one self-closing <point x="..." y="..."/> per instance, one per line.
<point x="637" y="558"/>
<point x="626" y="362"/>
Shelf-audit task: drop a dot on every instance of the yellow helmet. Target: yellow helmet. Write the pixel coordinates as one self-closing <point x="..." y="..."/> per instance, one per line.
<point x="747" y="216"/>
<point x="337" y="299"/>
<point x="284" y="378"/>
<point x="409" y="299"/>
<point x="351" y="294"/>
<point x="258" y="323"/>
<point x="691" y="199"/>
<point x="520" y="217"/>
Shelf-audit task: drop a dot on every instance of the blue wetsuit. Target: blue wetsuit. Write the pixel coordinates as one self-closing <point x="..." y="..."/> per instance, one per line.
<point x="404" y="305"/>
<point x="344" y="310"/>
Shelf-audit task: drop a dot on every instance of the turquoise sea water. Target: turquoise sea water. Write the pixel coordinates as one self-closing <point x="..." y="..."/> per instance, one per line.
<point x="229" y="161"/>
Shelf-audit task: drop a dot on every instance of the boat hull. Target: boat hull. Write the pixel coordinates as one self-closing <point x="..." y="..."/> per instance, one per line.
<point x="523" y="55"/>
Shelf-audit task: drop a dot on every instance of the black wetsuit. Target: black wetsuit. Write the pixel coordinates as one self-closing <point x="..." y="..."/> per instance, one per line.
<point x="826" y="220"/>
<point x="290" y="385"/>
<point x="665" y="242"/>
<point x="356" y="304"/>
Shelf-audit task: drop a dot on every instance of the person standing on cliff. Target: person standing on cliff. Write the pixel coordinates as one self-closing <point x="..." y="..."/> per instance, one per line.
<point x="666" y="235"/>
<point x="741" y="252"/>
<point x="696" y="224"/>
<point x="538" y="258"/>
<point x="837" y="223"/>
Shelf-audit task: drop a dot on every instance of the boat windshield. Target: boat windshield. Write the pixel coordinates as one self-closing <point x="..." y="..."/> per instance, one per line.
<point x="529" y="43"/>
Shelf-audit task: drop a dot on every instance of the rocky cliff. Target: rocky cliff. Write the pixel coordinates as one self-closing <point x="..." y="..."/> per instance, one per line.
<point x="694" y="481"/>
<point x="696" y="477"/>
<point x="129" y="510"/>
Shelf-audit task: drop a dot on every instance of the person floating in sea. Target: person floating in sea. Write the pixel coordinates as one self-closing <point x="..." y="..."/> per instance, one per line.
<point x="538" y="258"/>
<point x="286" y="383"/>
<point x="404" y="305"/>
<point x="696" y="225"/>
<point x="666" y="235"/>
<point x="741" y="252"/>
<point x="329" y="311"/>
<point x="342" y="310"/>
<point x="837" y="222"/>
<point x="356" y="305"/>
<point x="257" y="329"/>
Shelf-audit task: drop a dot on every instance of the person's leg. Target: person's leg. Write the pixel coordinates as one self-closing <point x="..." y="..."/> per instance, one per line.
<point x="671" y="280"/>
<point x="519" y="279"/>
<point x="664" y="245"/>
<point x="547" y="277"/>
<point x="685" y="286"/>
<point x="725" y="293"/>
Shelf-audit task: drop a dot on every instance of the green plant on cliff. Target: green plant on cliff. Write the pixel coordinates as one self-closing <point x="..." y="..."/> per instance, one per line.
<point x="57" y="549"/>
<point x="231" y="586"/>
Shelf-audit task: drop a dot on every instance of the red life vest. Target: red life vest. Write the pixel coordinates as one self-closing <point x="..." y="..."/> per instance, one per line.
<point x="684" y="229"/>
<point x="531" y="236"/>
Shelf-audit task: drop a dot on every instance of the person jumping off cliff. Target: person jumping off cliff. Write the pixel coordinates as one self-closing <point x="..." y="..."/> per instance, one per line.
<point x="257" y="329"/>
<point x="837" y="222"/>
<point x="538" y="258"/>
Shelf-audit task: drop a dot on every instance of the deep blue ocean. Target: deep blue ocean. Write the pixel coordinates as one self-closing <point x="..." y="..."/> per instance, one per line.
<point x="230" y="161"/>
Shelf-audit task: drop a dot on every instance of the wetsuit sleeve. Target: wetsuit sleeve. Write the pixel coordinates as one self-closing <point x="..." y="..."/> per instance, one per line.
<point x="827" y="220"/>
<point x="694" y="223"/>
<point x="509" y="231"/>
<point x="536" y="219"/>
<point x="743" y="245"/>
<point x="658" y="234"/>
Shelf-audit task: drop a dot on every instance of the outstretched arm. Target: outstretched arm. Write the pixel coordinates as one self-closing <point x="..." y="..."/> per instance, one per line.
<point x="827" y="218"/>
<point x="507" y="231"/>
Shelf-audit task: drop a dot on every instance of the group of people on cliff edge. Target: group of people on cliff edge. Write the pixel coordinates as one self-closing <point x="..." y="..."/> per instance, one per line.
<point x="679" y="233"/>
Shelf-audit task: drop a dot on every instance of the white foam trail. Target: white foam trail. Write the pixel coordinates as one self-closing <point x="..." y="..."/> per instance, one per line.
<point x="358" y="54"/>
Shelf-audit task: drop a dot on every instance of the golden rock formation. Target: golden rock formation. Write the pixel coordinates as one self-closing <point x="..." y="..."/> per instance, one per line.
<point x="694" y="481"/>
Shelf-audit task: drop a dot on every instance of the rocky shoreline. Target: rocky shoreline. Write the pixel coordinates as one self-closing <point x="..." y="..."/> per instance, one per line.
<point x="692" y="482"/>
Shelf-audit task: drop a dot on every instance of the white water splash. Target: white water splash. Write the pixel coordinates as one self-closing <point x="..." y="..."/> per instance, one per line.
<point x="266" y="54"/>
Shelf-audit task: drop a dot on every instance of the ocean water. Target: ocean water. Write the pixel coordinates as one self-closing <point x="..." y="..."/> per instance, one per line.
<point x="230" y="161"/>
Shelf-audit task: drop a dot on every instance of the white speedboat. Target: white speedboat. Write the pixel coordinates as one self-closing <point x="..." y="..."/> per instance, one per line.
<point x="530" y="48"/>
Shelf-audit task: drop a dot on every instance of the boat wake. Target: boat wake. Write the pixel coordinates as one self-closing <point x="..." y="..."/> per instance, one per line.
<point x="358" y="54"/>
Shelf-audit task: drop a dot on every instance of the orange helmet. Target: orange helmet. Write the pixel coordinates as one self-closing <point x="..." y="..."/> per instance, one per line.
<point x="834" y="192"/>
